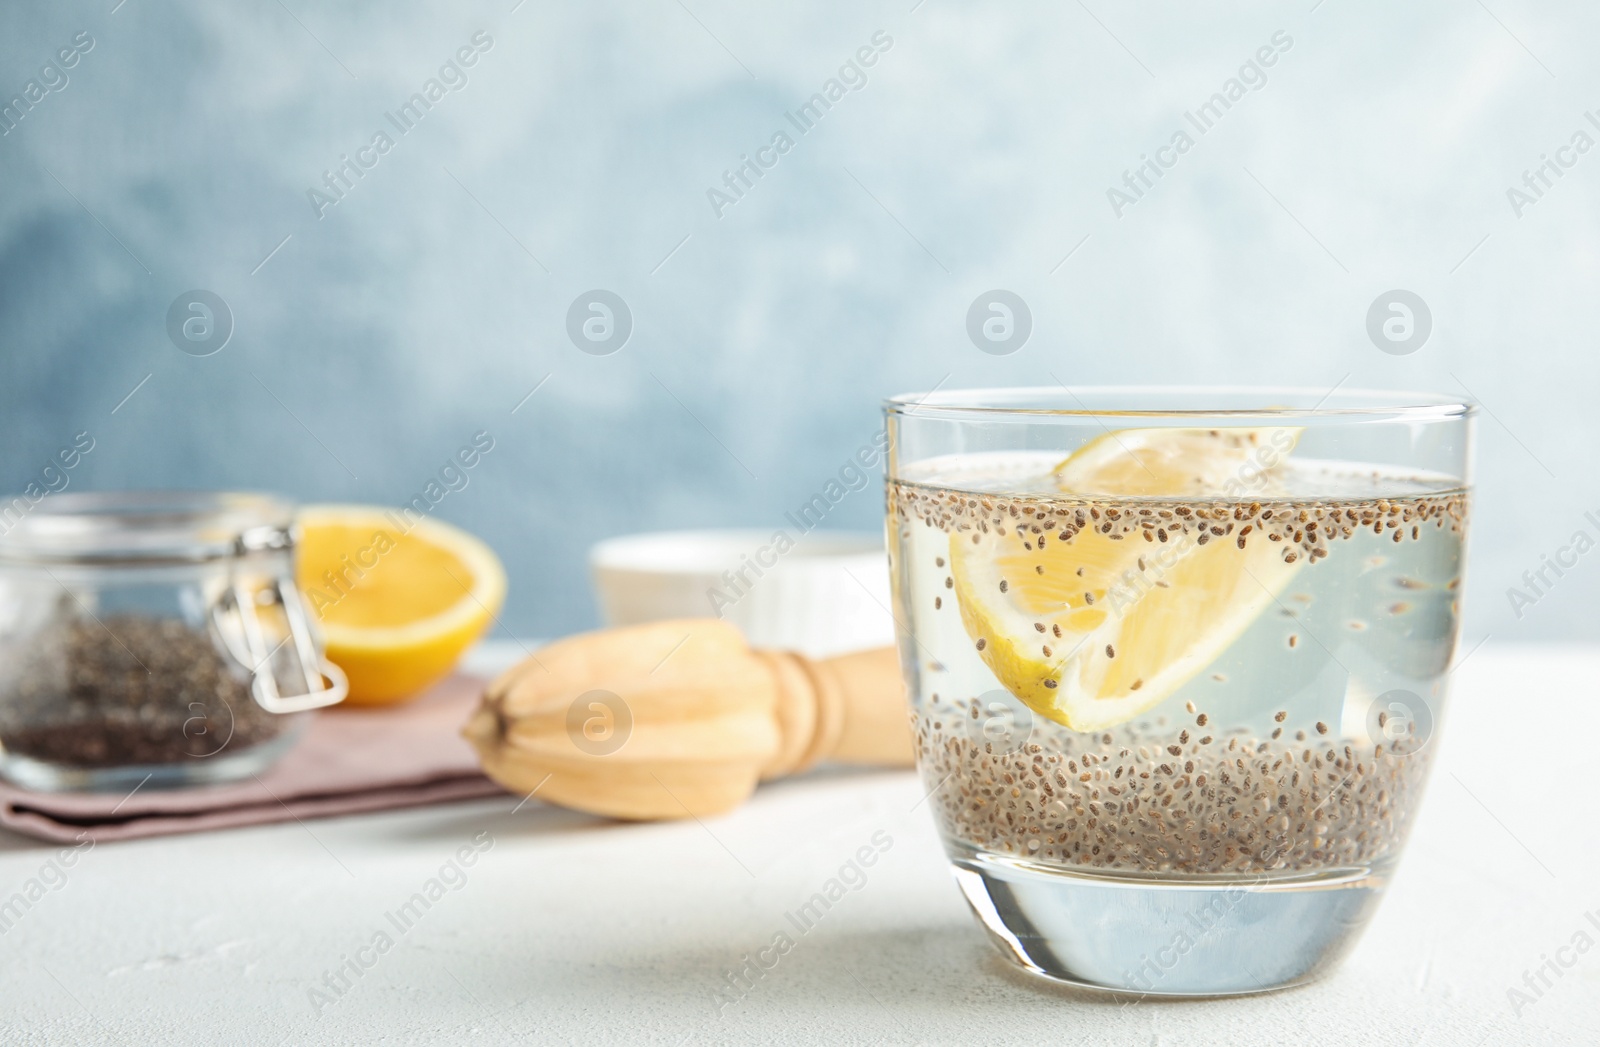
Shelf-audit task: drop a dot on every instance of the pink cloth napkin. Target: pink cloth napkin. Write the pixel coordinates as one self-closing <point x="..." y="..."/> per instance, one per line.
<point x="347" y="761"/>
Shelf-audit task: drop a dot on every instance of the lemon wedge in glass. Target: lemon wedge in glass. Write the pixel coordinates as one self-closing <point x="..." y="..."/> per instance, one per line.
<point x="1176" y="463"/>
<point x="1096" y="629"/>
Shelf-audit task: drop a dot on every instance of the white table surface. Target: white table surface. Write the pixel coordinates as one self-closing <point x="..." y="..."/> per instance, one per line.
<point x="574" y="930"/>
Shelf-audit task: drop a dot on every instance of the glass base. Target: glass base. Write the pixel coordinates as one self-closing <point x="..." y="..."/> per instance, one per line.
<point x="1152" y="937"/>
<point x="43" y="776"/>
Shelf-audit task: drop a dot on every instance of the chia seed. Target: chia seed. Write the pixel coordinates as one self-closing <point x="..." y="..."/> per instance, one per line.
<point x="133" y="690"/>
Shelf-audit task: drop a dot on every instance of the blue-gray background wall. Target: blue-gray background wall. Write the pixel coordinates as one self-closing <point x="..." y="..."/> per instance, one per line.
<point x="429" y="301"/>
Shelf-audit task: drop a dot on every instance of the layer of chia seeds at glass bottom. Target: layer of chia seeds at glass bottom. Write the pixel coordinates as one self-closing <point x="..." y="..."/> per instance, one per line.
<point x="1192" y="802"/>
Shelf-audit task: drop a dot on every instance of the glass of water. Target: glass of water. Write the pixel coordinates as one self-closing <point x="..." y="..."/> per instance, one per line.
<point x="1175" y="660"/>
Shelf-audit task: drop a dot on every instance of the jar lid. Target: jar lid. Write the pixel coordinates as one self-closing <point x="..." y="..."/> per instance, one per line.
<point x="142" y="527"/>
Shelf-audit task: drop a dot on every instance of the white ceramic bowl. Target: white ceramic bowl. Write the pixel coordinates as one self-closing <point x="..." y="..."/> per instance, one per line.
<point x="821" y="594"/>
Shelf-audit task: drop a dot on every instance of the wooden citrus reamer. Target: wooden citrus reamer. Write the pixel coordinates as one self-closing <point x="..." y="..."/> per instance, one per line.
<point x="681" y="718"/>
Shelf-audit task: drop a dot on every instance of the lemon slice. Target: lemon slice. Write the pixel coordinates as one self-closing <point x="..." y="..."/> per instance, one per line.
<point x="1092" y="631"/>
<point x="1229" y="462"/>
<point x="398" y="598"/>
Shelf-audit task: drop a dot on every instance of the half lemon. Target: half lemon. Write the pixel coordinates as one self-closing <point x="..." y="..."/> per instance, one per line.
<point x="397" y="597"/>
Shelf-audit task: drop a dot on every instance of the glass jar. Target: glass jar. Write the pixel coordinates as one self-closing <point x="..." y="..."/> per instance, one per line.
<point x="152" y="638"/>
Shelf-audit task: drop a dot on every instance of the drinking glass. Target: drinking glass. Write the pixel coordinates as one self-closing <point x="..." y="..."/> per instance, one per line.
<point x="1176" y="659"/>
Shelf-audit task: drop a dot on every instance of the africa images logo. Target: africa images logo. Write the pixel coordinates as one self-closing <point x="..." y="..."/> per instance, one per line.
<point x="1252" y="76"/>
<point x="852" y="77"/>
<point x="338" y="182"/>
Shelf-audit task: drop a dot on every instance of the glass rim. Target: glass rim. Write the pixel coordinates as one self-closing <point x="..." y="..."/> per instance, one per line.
<point x="1025" y="402"/>
<point x="112" y="528"/>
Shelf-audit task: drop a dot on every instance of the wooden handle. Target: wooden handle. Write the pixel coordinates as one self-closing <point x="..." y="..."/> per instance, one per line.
<point x="850" y="709"/>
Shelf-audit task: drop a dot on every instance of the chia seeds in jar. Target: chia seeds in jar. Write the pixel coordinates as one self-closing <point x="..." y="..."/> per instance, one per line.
<point x="154" y="639"/>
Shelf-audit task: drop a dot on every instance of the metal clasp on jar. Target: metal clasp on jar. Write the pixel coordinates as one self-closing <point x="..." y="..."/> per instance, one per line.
<point x="238" y="621"/>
